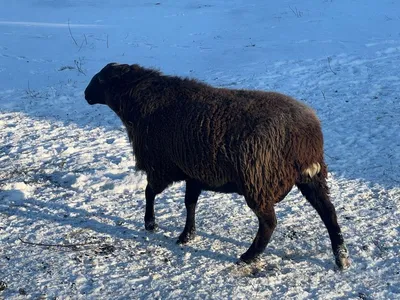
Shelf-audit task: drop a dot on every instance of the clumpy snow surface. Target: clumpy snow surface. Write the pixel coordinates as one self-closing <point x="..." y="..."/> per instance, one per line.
<point x="72" y="205"/>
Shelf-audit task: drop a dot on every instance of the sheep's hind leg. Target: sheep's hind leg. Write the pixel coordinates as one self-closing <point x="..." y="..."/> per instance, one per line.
<point x="149" y="217"/>
<point x="267" y="223"/>
<point x="192" y="194"/>
<point x="317" y="193"/>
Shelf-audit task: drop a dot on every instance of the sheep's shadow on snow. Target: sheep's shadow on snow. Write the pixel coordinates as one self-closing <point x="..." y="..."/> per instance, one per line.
<point x="14" y="203"/>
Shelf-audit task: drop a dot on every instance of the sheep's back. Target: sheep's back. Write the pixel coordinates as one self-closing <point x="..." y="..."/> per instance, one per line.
<point x="211" y="134"/>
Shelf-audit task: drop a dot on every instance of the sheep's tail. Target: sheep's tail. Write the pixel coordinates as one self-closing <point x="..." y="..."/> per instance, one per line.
<point x="312" y="172"/>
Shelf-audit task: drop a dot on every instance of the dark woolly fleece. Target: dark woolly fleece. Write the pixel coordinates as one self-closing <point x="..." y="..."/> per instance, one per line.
<point x="255" y="143"/>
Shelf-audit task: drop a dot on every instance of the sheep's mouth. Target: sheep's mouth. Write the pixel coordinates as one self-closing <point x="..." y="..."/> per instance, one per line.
<point x="89" y="100"/>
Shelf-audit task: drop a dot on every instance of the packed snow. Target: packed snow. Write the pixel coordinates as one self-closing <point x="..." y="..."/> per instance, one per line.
<point x="72" y="205"/>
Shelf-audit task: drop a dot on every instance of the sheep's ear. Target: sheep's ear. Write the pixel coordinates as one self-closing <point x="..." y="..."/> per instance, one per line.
<point x="114" y="70"/>
<point x="125" y="69"/>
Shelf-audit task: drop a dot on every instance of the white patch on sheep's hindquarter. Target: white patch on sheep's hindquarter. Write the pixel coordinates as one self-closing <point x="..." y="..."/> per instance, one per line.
<point x="312" y="170"/>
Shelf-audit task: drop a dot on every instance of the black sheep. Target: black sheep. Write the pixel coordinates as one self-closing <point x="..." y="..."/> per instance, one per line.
<point x="254" y="143"/>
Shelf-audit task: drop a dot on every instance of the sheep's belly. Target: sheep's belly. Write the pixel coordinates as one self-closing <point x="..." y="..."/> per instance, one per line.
<point x="227" y="188"/>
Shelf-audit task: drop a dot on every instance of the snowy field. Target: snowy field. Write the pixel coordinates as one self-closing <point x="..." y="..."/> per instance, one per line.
<point x="67" y="175"/>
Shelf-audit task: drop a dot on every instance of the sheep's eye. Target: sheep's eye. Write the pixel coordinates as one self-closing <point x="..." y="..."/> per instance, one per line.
<point x="101" y="81"/>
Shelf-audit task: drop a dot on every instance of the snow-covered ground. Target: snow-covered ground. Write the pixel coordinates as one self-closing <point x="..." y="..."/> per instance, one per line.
<point x="67" y="174"/>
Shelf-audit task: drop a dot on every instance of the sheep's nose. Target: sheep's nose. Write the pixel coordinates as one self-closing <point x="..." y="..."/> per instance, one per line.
<point x="87" y="98"/>
<point x="86" y="94"/>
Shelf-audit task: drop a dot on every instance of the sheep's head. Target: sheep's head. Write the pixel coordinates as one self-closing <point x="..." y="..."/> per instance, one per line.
<point x="97" y="91"/>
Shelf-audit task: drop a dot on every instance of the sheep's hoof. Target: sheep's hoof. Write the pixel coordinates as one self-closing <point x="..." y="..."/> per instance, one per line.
<point x="248" y="259"/>
<point x="151" y="226"/>
<point x="342" y="258"/>
<point x="186" y="237"/>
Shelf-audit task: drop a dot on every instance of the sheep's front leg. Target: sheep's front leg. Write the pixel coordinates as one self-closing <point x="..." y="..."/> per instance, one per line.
<point x="149" y="217"/>
<point x="192" y="194"/>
